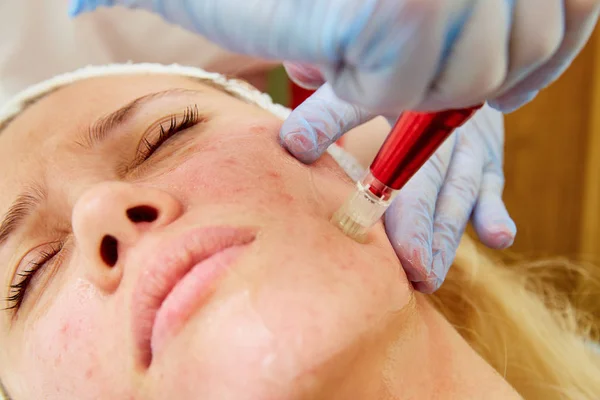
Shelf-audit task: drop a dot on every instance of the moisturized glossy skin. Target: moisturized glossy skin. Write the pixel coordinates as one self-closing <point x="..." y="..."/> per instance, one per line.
<point x="300" y="312"/>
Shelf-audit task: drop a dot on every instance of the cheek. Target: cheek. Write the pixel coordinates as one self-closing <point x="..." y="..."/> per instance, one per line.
<point x="319" y="295"/>
<point x="238" y="168"/>
<point x="68" y="344"/>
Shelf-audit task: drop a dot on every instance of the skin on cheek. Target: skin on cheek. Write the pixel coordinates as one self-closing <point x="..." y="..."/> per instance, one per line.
<point x="273" y="179"/>
<point x="325" y="317"/>
<point x="69" y="343"/>
<point x="334" y="289"/>
<point x="228" y="176"/>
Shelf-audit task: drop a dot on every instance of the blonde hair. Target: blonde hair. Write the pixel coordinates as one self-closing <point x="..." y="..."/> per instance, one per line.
<point x="523" y="320"/>
<point x="524" y="323"/>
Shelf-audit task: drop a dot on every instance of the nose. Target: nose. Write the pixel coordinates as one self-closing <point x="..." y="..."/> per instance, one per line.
<point x="109" y="219"/>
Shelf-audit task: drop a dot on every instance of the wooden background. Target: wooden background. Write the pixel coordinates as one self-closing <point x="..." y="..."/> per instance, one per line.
<point x="552" y="164"/>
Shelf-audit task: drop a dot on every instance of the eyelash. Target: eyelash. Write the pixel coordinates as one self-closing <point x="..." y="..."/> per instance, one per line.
<point x="190" y="118"/>
<point x="19" y="289"/>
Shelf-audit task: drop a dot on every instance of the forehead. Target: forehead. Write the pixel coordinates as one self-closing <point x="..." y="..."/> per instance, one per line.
<point x="36" y="135"/>
<point x="82" y="102"/>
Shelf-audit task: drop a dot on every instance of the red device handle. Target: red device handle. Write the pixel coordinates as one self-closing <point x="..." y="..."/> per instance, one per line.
<point x="412" y="141"/>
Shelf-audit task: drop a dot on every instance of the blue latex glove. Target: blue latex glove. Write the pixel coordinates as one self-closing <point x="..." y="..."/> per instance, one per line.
<point x="392" y="55"/>
<point x="383" y="56"/>
<point x="463" y="180"/>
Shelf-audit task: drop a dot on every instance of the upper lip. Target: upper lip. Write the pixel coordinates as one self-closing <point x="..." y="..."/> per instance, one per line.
<point x="166" y="266"/>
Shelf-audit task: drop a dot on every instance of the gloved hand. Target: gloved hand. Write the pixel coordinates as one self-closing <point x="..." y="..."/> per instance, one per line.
<point x="383" y="56"/>
<point x="463" y="180"/>
<point x="393" y="55"/>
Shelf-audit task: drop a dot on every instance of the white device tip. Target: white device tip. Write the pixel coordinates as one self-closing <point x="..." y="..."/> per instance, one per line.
<point x="359" y="213"/>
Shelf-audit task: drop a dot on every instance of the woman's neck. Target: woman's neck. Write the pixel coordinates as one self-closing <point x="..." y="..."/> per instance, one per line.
<point x="416" y="354"/>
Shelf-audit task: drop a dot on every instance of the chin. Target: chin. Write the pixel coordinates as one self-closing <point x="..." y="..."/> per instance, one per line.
<point x="241" y="358"/>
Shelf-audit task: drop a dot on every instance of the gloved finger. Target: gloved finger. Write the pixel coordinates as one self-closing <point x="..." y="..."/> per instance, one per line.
<point x="476" y="66"/>
<point x="531" y="47"/>
<point x="409" y="220"/>
<point x="318" y="122"/>
<point x="304" y="75"/>
<point x="453" y="209"/>
<point x="580" y="19"/>
<point x="490" y="218"/>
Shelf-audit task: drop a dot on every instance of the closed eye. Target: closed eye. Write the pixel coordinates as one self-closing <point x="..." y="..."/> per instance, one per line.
<point x="19" y="289"/>
<point x="149" y="146"/>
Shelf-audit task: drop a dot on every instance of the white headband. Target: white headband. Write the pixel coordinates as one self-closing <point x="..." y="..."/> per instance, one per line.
<point x="15" y="105"/>
<point x="242" y="89"/>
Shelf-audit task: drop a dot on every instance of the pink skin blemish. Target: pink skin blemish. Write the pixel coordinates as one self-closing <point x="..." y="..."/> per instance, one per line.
<point x="274" y="174"/>
<point x="286" y="198"/>
<point x="259" y="129"/>
<point x="227" y="179"/>
<point x="64" y="341"/>
<point x="230" y="162"/>
<point x="239" y="191"/>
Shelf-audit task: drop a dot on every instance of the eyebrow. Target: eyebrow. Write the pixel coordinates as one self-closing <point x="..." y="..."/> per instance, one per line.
<point x="103" y="128"/>
<point x="29" y="200"/>
<point x="22" y="208"/>
<point x="100" y="130"/>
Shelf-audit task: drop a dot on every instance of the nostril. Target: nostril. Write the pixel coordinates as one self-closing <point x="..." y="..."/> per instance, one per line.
<point x="142" y="214"/>
<point x="109" y="251"/>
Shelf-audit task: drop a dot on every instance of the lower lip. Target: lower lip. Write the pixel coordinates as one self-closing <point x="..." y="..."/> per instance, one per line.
<point x="189" y="293"/>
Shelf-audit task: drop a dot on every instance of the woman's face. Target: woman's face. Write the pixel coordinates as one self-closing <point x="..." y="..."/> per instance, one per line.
<point x="177" y="264"/>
